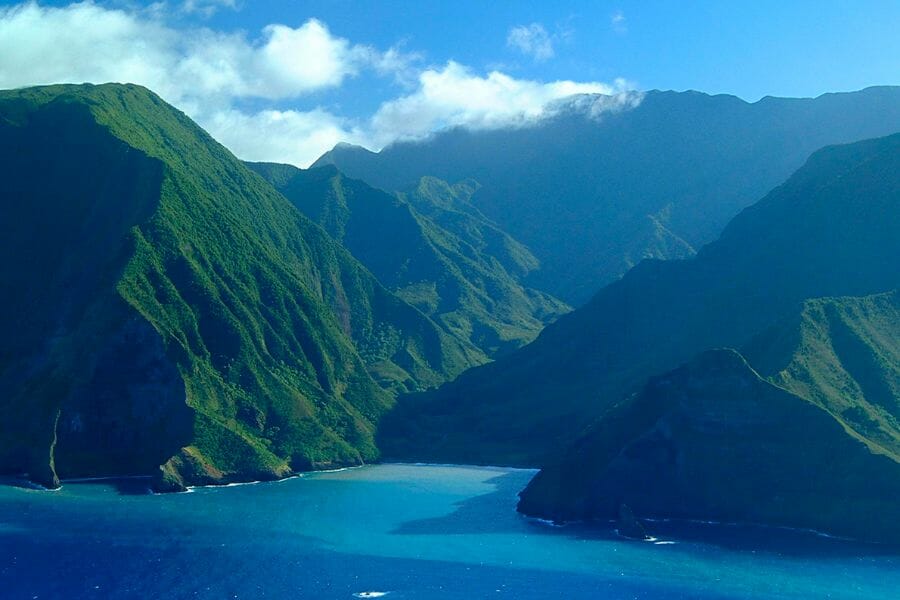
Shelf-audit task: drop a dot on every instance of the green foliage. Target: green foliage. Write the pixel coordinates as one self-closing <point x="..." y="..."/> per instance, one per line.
<point x="131" y="211"/>
<point x="842" y="354"/>
<point x="830" y="230"/>
<point x="712" y="440"/>
<point x="433" y="249"/>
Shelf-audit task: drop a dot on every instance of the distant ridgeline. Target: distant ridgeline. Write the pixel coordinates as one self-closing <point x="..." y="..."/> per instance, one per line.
<point x="601" y="185"/>
<point x="166" y="311"/>
<point x="632" y="399"/>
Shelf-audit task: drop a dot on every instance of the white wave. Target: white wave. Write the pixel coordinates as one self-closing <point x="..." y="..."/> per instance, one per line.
<point x="547" y="522"/>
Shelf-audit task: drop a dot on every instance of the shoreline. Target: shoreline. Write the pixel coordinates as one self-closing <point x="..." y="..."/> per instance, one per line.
<point x="461" y="466"/>
<point x="23" y="480"/>
<point x="704" y="522"/>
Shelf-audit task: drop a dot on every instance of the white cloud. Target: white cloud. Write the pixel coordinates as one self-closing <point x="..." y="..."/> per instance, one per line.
<point x="207" y="8"/>
<point x="211" y="74"/>
<point x="79" y="43"/>
<point x="532" y="40"/>
<point x="292" y="61"/>
<point x="86" y="42"/>
<point x="290" y="136"/>
<point x="454" y="96"/>
<point x="618" y="22"/>
<point x="402" y="65"/>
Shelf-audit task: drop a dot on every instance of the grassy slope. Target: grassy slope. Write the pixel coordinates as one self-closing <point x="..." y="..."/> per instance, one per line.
<point x="830" y="230"/>
<point x="457" y="274"/>
<point x="274" y="329"/>
<point x="452" y="208"/>
<point x="712" y="440"/>
<point x="842" y="354"/>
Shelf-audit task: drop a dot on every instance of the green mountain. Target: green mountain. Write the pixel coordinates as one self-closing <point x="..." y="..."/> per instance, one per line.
<point x="164" y="310"/>
<point x="831" y="230"/>
<point x="592" y="191"/>
<point x="714" y="440"/>
<point x="456" y="273"/>
<point x="802" y="433"/>
<point x="451" y="207"/>
<point x="843" y="355"/>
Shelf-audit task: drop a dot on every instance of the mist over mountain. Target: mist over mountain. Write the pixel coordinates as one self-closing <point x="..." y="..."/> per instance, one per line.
<point x="592" y="191"/>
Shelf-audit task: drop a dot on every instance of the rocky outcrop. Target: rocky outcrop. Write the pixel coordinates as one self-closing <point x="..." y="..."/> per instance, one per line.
<point x="628" y="526"/>
<point x="130" y="415"/>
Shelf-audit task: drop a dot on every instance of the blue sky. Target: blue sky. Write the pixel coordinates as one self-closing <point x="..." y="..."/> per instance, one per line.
<point x="286" y="80"/>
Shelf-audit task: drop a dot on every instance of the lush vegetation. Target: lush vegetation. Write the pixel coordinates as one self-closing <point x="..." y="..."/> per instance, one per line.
<point x="592" y="194"/>
<point x="843" y="355"/>
<point x="433" y="249"/>
<point x="164" y="305"/>
<point x="804" y="431"/>
<point x="830" y="230"/>
<point x="713" y="440"/>
<point x="167" y="309"/>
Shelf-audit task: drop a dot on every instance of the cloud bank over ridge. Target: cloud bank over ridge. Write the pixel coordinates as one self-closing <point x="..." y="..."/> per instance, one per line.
<point x="260" y="94"/>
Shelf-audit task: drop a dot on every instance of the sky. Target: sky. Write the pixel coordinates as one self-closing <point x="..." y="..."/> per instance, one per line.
<point x="287" y="80"/>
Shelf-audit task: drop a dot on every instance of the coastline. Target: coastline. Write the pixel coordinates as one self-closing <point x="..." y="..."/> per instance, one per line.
<point x="712" y="523"/>
<point x="24" y="481"/>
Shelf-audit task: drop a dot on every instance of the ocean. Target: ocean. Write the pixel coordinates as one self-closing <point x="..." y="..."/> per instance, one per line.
<point x="395" y="531"/>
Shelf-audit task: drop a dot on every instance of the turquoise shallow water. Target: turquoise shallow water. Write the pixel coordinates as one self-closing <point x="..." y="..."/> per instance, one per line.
<point x="411" y="531"/>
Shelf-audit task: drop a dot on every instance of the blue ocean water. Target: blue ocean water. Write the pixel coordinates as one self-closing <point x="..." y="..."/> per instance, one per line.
<point x="407" y="531"/>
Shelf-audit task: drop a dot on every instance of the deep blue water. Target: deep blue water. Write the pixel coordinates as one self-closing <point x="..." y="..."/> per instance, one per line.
<point x="412" y="531"/>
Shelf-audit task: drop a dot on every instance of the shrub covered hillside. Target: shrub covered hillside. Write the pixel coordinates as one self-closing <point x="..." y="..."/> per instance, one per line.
<point x="165" y="310"/>
<point x="432" y="249"/>
<point x="832" y="229"/>
<point x="800" y="433"/>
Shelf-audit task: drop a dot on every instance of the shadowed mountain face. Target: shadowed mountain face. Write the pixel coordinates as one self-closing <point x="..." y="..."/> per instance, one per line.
<point x="431" y="248"/>
<point x="592" y="192"/>
<point x="831" y="230"/>
<point x="165" y="310"/>
<point x="713" y="440"/>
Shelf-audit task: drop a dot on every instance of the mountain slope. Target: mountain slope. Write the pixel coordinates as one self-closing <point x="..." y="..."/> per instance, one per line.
<point x="831" y="230"/>
<point x="451" y="207"/>
<point x="842" y="354"/>
<point x="592" y="191"/>
<point x="456" y="275"/>
<point x="164" y="310"/>
<point x="712" y="440"/>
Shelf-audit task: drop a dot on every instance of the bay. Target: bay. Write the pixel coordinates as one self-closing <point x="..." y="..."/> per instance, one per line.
<point x="406" y="531"/>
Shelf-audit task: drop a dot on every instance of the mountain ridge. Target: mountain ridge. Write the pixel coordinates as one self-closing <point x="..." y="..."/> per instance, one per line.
<point x="450" y="264"/>
<point x="688" y="161"/>
<point x="202" y="330"/>
<point x="834" y="236"/>
<point x="714" y="440"/>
